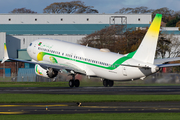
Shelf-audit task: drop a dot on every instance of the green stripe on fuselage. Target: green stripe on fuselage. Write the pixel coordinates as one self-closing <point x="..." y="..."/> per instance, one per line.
<point x="116" y="64"/>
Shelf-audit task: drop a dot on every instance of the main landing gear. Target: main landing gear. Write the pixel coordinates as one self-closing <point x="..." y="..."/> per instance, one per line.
<point x="74" y="82"/>
<point x="107" y="83"/>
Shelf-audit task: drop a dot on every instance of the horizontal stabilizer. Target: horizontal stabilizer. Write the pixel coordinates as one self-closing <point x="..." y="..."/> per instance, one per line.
<point x="168" y="65"/>
<point x="165" y="60"/>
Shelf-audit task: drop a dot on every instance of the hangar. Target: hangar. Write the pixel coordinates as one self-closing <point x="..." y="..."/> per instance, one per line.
<point x="19" y="30"/>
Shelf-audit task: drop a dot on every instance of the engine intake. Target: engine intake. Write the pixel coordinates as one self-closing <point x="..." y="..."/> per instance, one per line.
<point x="45" y="72"/>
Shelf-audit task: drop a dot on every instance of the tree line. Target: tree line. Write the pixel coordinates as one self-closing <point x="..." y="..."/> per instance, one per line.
<point x="129" y="41"/>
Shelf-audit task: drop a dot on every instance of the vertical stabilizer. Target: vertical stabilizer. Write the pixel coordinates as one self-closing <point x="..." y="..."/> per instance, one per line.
<point x="147" y="48"/>
<point x="6" y="57"/>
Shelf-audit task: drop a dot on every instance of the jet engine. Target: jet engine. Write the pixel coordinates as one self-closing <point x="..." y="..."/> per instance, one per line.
<point x="45" y="72"/>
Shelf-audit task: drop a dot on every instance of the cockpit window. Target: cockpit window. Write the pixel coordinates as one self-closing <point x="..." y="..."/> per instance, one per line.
<point x="30" y="44"/>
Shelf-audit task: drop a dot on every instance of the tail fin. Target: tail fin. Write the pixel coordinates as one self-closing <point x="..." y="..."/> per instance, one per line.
<point x="147" y="48"/>
<point x="6" y="57"/>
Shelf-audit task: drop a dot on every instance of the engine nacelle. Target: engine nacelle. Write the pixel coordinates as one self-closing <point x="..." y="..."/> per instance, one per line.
<point x="45" y="72"/>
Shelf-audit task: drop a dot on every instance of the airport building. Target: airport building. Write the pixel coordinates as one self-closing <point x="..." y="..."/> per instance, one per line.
<point x="19" y="30"/>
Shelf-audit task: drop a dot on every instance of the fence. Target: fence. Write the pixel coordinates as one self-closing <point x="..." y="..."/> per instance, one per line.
<point x="28" y="75"/>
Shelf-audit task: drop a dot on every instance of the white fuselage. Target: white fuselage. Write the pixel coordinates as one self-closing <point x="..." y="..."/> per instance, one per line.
<point x="106" y="65"/>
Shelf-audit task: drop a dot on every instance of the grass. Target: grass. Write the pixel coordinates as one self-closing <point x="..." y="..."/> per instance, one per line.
<point x="56" y="98"/>
<point x="33" y="84"/>
<point x="96" y="116"/>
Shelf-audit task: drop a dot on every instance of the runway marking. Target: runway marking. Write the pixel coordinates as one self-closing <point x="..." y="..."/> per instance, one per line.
<point x="100" y="106"/>
<point x="132" y="107"/>
<point x="56" y="105"/>
<point x="103" y="107"/>
<point x="115" y="107"/>
<point x="8" y="113"/>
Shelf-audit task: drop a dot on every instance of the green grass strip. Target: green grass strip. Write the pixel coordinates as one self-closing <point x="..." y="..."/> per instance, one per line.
<point x="33" y="84"/>
<point x="83" y="83"/>
<point x="96" y="116"/>
<point x="56" y="98"/>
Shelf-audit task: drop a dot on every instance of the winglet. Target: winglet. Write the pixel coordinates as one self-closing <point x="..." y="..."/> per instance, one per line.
<point x="6" y="57"/>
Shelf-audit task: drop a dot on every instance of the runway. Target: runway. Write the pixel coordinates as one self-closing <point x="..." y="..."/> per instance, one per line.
<point x="72" y="108"/>
<point x="138" y="90"/>
<point x="94" y="107"/>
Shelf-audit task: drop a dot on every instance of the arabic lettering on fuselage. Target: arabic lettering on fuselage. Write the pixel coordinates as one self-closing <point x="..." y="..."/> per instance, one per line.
<point x="46" y="46"/>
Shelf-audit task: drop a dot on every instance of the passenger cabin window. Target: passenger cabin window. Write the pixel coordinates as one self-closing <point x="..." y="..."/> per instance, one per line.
<point x="9" y="19"/>
<point x="35" y="19"/>
<point x="139" y="19"/>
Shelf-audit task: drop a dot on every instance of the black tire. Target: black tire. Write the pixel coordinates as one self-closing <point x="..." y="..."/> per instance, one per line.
<point x="105" y="83"/>
<point x="76" y="83"/>
<point x="71" y="83"/>
<point x="111" y="83"/>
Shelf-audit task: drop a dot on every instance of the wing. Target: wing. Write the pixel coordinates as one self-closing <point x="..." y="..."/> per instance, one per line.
<point x="68" y="66"/>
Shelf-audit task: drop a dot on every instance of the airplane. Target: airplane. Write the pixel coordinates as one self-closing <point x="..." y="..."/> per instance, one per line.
<point x="51" y="56"/>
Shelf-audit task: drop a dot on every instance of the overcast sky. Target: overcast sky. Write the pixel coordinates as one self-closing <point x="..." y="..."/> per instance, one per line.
<point x="103" y="6"/>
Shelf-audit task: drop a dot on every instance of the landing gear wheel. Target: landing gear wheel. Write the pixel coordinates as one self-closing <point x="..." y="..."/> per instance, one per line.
<point x="76" y="83"/>
<point x="111" y="83"/>
<point x="71" y="83"/>
<point x="105" y="83"/>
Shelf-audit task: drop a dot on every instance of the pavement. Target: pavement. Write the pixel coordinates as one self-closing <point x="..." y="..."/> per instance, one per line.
<point x="94" y="107"/>
<point x="121" y="90"/>
<point x="103" y="107"/>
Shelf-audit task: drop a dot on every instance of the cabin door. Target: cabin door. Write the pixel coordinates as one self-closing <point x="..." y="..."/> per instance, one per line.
<point x="124" y="71"/>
